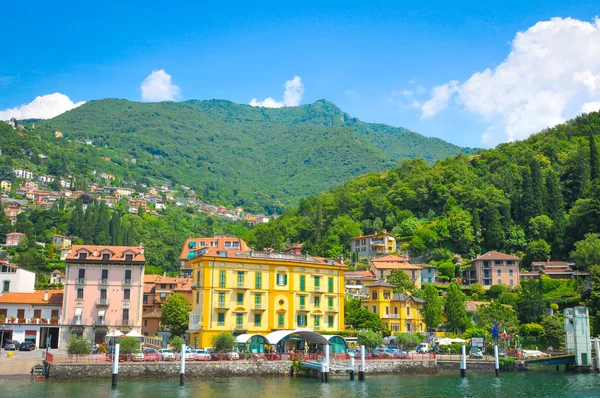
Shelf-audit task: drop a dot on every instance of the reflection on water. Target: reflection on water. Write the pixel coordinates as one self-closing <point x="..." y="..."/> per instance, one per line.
<point x="530" y="384"/>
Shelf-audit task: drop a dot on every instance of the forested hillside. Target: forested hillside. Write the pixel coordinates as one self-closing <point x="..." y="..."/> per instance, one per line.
<point x="536" y="198"/>
<point x="259" y="158"/>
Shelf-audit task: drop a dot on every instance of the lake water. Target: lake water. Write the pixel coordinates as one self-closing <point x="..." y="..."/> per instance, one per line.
<point x="543" y="383"/>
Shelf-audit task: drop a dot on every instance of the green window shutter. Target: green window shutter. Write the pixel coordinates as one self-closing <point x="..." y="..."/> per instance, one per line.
<point x="239" y="319"/>
<point x="302" y="283"/>
<point x="222" y="279"/>
<point x="330" y="321"/>
<point x="257" y="319"/>
<point x="281" y="320"/>
<point x="240" y="298"/>
<point x="285" y="279"/>
<point x="240" y="278"/>
<point x="257" y="299"/>
<point x="330" y="285"/>
<point x="302" y="300"/>
<point x="221" y="318"/>
<point x="258" y="280"/>
<point x="330" y="301"/>
<point x="317" y="320"/>
<point x="221" y="297"/>
<point x="317" y="281"/>
<point x="317" y="301"/>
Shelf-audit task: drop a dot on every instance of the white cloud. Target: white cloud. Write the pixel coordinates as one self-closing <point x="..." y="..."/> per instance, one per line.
<point x="588" y="107"/>
<point x="42" y="107"/>
<point x="159" y="87"/>
<point x="292" y="95"/>
<point x="551" y="73"/>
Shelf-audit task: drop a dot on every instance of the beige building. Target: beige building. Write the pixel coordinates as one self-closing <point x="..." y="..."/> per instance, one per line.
<point x="494" y="268"/>
<point x="383" y="266"/>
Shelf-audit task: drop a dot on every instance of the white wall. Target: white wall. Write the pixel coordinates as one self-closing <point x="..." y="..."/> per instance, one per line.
<point x="22" y="281"/>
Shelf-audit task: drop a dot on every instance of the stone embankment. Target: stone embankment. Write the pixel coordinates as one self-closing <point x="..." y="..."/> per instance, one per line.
<point x="163" y="370"/>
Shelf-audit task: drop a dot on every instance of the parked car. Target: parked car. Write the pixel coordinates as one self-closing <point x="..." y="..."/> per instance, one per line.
<point x="381" y="353"/>
<point x="202" y="355"/>
<point x="166" y="355"/>
<point x="353" y="353"/>
<point x="27" y="346"/>
<point x="11" y="345"/>
<point x="423" y="348"/>
<point x="398" y="353"/>
<point x="233" y="355"/>
<point x="137" y="356"/>
<point x="527" y="354"/>
<point x="476" y="353"/>
<point x="501" y="353"/>
<point x="151" y="355"/>
<point x="189" y="354"/>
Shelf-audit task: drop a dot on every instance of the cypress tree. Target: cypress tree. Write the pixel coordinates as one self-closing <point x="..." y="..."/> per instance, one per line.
<point x="594" y="165"/>
<point x="493" y="233"/>
<point x="555" y="204"/>
<point x="77" y="219"/>
<point x="530" y="206"/>
<point x="539" y="190"/>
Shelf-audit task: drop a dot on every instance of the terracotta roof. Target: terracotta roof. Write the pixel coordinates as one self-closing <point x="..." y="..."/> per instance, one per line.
<point x="220" y="245"/>
<point x="57" y="272"/>
<point x="153" y="314"/>
<point x="55" y="297"/>
<point x="150" y="278"/>
<point x="15" y="234"/>
<point x="118" y="252"/>
<point x="382" y="233"/>
<point x="471" y="306"/>
<point x="395" y="265"/>
<point x="551" y="263"/>
<point x="358" y="274"/>
<point x="495" y="256"/>
<point x="389" y="258"/>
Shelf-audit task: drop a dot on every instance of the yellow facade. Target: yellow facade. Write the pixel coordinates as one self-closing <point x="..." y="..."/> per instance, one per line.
<point x="258" y="293"/>
<point x="399" y="312"/>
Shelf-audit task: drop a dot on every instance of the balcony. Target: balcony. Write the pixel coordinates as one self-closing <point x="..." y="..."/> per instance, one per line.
<point x="332" y="309"/>
<point x="77" y="320"/>
<point x="303" y="308"/>
<point x="318" y="289"/>
<point x="100" y="322"/>
<point x="127" y="282"/>
<point x="240" y="327"/>
<point x="222" y="305"/>
<point x="241" y="286"/>
<point x="317" y="327"/>
<point x="103" y="282"/>
<point x="259" y="307"/>
<point x="392" y="316"/>
<point x="102" y="302"/>
<point x="80" y="281"/>
<point x="125" y="322"/>
<point x="195" y="322"/>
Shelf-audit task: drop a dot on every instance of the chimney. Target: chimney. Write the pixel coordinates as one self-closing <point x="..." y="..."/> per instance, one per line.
<point x="164" y="274"/>
<point x="45" y="295"/>
<point x="141" y="248"/>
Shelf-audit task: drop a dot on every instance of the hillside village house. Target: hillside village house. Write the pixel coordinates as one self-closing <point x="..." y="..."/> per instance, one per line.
<point x="399" y="312"/>
<point x="12" y="210"/>
<point x="357" y="282"/>
<point x="103" y="291"/>
<point x="383" y="266"/>
<point x="260" y="292"/>
<point x="22" y="173"/>
<point x="14" y="238"/>
<point x="61" y="241"/>
<point x="218" y="242"/>
<point x="15" y="279"/>
<point x="57" y="276"/>
<point x="373" y="245"/>
<point x="552" y="269"/>
<point x="493" y="268"/>
<point x="157" y="289"/>
<point x="31" y="317"/>
<point x="5" y="185"/>
<point x="428" y="274"/>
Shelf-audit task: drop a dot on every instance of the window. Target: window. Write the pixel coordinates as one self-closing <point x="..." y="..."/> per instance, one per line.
<point x="396" y="310"/>
<point x="5" y="286"/>
<point x="317" y="282"/>
<point x="374" y="308"/>
<point x="486" y="264"/>
<point x="221" y="299"/>
<point x="197" y="297"/>
<point x="407" y="311"/>
<point x="387" y="310"/>
<point x="257" y="300"/>
<point x="317" y="301"/>
<point x="280" y="320"/>
<point x="222" y="280"/>
<point x="126" y="294"/>
<point x="386" y="294"/>
<point x="82" y="255"/>
<point x="127" y="276"/>
<point x="330" y="285"/>
<point x="257" y="319"/>
<point x="240" y="278"/>
<point x="511" y="282"/>
<point x="81" y="275"/>
<point x="281" y="279"/>
<point x="258" y="280"/>
<point x="374" y="295"/>
<point x="104" y="276"/>
<point x="510" y="262"/>
<point x="510" y="272"/>
<point x="37" y="314"/>
<point x="20" y="313"/>
<point x="221" y="318"/>
<point x="145" y="299"/>
<point x="330" y="321"/>
<point x="408" y="327"/>
<point x="487" y="282"/>
<point x="105" y="256"/>
<point x="239" y="320"/>
<point x="498" y="263"/>
<point x="145" y="323"/>
<point x="163" y="286"/>
<point x="171" y="286"/>
<point x="301" y="320"/>
<point x="103" y="294"/>
<point x="80" y="293"/>
<point x="302" y="283"/>
<point x="317" y="321"/>
<point x="240" y="298"/>
<point x="163" y="295"/>
<point x="302" y="301"/>
<point x="125" y="315"/>
<point x="499" y="272"/>
<point x="129" y="257"/>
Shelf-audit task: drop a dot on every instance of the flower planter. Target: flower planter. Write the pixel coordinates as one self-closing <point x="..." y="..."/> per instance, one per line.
<point x="53" y="321"/>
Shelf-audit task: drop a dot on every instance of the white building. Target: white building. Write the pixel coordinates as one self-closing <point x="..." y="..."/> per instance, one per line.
<point x="22" y="173"/>
<point x="15" y="279"/>
<point x="57" y="276"/>
<point x="31" y="317"/>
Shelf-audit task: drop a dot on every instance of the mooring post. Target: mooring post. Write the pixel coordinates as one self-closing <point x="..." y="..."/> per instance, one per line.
<point x="361" y="370"/>
<point x="496" y="362"/>
<point x="115" y="369"/>
<point x="182" y="368"/>
<point x="352" y="368"/>
<point x="325" y="367"/>
<point x="463" y="361"/>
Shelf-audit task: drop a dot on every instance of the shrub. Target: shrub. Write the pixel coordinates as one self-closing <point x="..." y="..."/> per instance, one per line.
<point x="223" y="342"/>
<point x="408" y="341"/>
<point x="507" y="363"/>
<point x="79" y="346"/>
<point x="128" y="345"/>
<point x="176" y="342"/>
<point x="532" y="329"/>
<point x="369" y="339"/>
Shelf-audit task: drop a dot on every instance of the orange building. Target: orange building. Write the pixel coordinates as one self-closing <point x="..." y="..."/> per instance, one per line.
<point x="157" y="289"/>
<point x="217" y="244"/>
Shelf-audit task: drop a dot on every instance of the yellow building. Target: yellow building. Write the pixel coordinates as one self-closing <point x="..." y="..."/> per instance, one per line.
<point x="257" y="293"/>
<point x="399" y="312"/>
<point x="5" y="185"/>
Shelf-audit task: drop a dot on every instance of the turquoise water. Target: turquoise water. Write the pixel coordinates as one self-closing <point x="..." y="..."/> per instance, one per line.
<point x="530" y="384"/>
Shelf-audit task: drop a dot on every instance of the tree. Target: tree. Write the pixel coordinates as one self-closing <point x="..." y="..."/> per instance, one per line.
<point x="176" y="342"/>
<point x="223" y="342"/>
<point x="370" y="339"/>
<point x="447" y="269"/>
<point x="432" y="308"/>
<point x="174" y="314"/>
<point x="362" y="318"/>
<point x="455" y="309"/>
<point x="530" y="306"/>
<point x="496" y="290"/>
<point x="493" y="232"/>
<point x="478" y="289"/>
<point x="401" y="281"/>
<point x="79" y="346"/>
<point x="537" y="250"/>
<point x="594" y="163"/>
<point x="540" y="227"/>
<point x="408" y="341"/>
<point x="587" y="252"/>
<point x="495" y="312"/>
<point x="591" y="297"/>
<point x="129" y="345"/>
<point x="554" y="330"/>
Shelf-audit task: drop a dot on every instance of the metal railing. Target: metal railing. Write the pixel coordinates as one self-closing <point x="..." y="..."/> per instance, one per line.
<point x="80" y="281"/>
<point x="127" y="282"/>
<point x="222" y="305"/>
<point x="102" y="301"/>
<point x="259" y="306"/>
<point x="103" y="282"/>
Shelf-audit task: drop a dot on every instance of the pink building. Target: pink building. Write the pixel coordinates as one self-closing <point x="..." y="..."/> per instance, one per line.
<point x="14" y="238"/>
<point x="494" y="268"/>
<point x="103" y="291"/>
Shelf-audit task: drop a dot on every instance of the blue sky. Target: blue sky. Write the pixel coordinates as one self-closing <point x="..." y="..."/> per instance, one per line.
<point x="420" y="65"/>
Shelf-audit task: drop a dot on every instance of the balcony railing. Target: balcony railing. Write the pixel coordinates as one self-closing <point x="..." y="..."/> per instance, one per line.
<point x="77" y="320"/>
<point x="102" y="302"/>
<point x="80" y="281"/>
<point x="222" y="305"/>
<point x="127" y="282"/>
<point x="302" y="308"/>
<point x="125" y="322"/>
<point x="100" y="322"/>
<point x="195" y="321"/>
<point x="392" y="316"/>
<point x="332" y="309"/>
<point x="259" y="307"/>
<point x="317" y="289"/>
<point x="317" y="327"/>
<point x="240" y="326"/>
<point x="241" y="285"/>
<point x="103" y="282"/>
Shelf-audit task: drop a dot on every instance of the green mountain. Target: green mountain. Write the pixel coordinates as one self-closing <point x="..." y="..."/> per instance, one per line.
<point x="259" y="158"/>
<point x="536" y="197"/>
